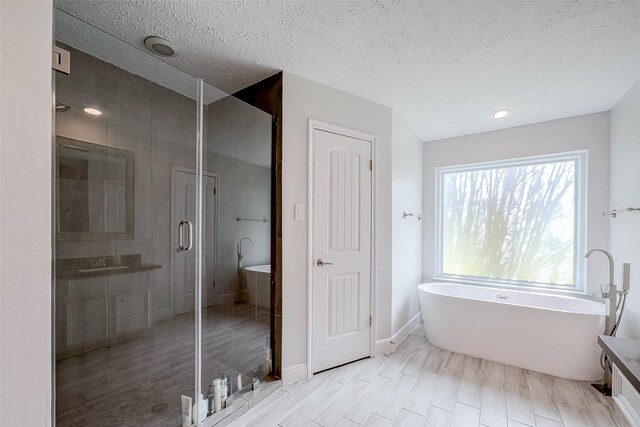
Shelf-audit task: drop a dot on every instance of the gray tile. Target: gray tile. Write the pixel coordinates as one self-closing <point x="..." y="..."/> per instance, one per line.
<point x="390" y="405"/>
<point x="408" y="419"/>
<point x="493" y="410"/>
<point x="420" y="397"/>
<point x="447" y="390"/>
<point x="437" y="417"/>
<point x="498" y="395"/>
<point x="376" y="420"/>
<point x="465" y="416"/>
<point x="471" y="387"/>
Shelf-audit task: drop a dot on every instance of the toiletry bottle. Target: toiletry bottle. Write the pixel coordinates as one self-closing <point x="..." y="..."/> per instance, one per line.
<point x="116" y="259"/>
<point x="203" y="408"/>
<point x="223" y="388"/>
<point x="186" y="411"/>
<point x="229" y="400"/>
<point x="239" y="382"/>
<point x="199" y="408"/>
<point x="255" y="382"/>
<point x="216" y="394"/>
<point x="210" y="396"/>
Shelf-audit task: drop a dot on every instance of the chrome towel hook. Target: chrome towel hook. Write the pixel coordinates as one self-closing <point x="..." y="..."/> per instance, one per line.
<point x="406" y="214"/>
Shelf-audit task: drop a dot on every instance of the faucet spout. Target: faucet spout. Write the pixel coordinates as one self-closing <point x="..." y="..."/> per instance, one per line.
<point x="609" y="257"/>
<point x="240" y="256"/>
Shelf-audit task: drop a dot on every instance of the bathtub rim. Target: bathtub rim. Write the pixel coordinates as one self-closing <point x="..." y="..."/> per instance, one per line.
<point x="537" y="289"/>
<point x="421" y="288"/>
<point x="256" y="268"/>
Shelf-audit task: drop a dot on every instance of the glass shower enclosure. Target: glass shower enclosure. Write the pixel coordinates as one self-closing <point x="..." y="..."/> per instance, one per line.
<point x="162" y="239"/>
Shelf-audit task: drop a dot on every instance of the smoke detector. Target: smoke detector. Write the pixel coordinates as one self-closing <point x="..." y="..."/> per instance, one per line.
<point x="160" y="46"/>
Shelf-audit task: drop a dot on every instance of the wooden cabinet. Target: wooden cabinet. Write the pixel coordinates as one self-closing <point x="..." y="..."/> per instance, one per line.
<point x="94" y="312"/>
<point x="130" y="313"/>
<point x="86" y="322"/>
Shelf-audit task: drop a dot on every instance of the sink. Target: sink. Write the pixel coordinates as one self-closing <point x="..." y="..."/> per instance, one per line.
<point x="96" y="269"/>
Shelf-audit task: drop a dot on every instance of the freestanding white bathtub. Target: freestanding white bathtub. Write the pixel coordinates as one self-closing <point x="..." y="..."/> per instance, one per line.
<point x="546" y="333"/>
<point x="258" y="280"/>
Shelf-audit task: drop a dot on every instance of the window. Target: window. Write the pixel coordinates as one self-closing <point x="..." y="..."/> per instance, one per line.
<point x="517" y="222"/>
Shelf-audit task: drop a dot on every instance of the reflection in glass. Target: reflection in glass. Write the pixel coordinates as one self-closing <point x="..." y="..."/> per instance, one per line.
<point x="237" y="237"/>
<point x="95" y="190"/>
<point x="125" y="293"/>
<point x="123" y="355"/>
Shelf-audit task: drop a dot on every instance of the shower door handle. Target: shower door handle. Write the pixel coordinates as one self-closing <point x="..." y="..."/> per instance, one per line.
<point x="189" y="235"/>
<point x="181" y="238"/>
<point x="181" y="244"/>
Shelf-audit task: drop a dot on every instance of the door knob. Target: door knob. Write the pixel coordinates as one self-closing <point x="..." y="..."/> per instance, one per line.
<point x="321" y="263"/>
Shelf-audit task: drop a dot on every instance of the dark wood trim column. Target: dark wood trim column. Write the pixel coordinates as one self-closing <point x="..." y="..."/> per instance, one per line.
<point x="267" y="96"/>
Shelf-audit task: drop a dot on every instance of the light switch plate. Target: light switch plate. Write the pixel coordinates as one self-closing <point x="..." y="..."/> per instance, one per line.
<point x="298" y="212"/>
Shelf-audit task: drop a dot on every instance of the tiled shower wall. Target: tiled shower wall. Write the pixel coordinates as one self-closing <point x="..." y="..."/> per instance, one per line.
<point x="159" y="126"/>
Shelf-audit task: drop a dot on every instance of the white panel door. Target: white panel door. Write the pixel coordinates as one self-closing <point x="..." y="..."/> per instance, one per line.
<point x="184" y="270"/>
<point x="184" y="187"/>
<point x="341" y="287"/>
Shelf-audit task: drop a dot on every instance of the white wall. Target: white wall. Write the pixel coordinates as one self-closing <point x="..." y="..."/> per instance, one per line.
<point x="406" y="246"/>
<point x="625" y="192"/>
<point x="589" y="132"/>
<point x="304" y="99"/>
<point x="25" y="206"/>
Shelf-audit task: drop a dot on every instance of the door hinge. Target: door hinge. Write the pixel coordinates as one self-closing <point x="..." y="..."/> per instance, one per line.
<point x="370" y="165"/>
<point x="61" y="60"/>
<point x="370" y="321"/>
<point x="214" y="190"/>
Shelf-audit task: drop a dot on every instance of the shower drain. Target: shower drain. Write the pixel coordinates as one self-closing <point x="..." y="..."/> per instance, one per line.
<point x="160" y="407"/>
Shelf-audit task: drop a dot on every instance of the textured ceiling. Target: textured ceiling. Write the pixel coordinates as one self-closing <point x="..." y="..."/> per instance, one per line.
<point x="88" y="39"/>
<point x="443" y="66"/>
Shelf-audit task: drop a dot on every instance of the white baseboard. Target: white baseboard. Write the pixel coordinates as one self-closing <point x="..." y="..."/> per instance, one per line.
<point x="389" y="345"/>
<point x="161" y="314"/>
<point x="627" y="410"/>
<point x="626" y="397"/>
<point x="224" y="299"/>
<point x="384" y="347"/>
<point x="294" y="373"/>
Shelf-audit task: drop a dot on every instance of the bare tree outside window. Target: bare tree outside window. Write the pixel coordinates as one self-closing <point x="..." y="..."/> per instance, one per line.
<point x="512" y="223"/>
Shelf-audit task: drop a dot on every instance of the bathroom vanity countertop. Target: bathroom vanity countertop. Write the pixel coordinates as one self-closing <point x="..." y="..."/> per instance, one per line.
<point x="99" y="272"/>
<point x="625" y="354"/>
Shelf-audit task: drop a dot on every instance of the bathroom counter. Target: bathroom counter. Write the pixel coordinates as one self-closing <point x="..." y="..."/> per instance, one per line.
<point x="99" y="272"/>
<point x="625" y="354"/>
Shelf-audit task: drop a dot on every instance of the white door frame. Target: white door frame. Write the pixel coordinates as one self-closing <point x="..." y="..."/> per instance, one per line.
<point x="175" y="169"/>
<point x="371" y="139"/>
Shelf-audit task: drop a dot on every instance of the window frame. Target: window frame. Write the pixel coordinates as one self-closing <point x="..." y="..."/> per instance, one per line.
<point x="580" y="217"/>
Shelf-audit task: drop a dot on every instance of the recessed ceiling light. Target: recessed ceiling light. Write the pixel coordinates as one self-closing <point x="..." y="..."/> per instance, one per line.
<point x="160" y="46"/>
<point x="500" y="114"/>
<point x="92" y="111"/>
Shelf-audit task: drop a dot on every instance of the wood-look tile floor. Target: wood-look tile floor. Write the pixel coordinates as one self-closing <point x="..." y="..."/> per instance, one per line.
<point x="139" y="382"/>
<point x="422" y="385"/>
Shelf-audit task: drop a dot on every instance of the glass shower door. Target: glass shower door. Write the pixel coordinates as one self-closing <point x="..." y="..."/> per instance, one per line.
<point x="162" y="244"/>
<point x="126" y="237"/>
<point x="236" y="300"/>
